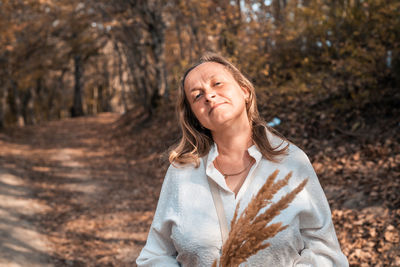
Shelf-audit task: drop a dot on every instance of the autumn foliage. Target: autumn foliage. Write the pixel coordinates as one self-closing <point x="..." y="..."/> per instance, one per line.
<point x="70" y="58"/>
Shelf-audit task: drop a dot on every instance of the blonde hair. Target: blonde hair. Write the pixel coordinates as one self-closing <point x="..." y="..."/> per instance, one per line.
<point x="196" y="140"/>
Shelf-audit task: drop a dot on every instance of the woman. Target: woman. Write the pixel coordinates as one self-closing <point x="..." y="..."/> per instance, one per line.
<point x="226" y="144"/>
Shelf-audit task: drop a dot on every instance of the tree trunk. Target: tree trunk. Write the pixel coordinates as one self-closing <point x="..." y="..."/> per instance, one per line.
<point x="277" y="7"/>
<point x="17" y="104"/>
<point x="3" y="108"/>
<point x="228" y="37"/>
<point x="159" y="58"/>
<point x="109" y="89"/>
<point x="145" y="55"/>
<point x="28" y="106"/>
<point x="156" y="27"/>
<point x="52" y="97"/>
<point x="100" y="100"/>
<point x="120" y="77"/>
<point x="77" y="109"/>
<point x="179" y="37"/>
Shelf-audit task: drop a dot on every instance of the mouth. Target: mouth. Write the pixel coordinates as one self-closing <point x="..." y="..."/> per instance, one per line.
<point x="215" y="106"/>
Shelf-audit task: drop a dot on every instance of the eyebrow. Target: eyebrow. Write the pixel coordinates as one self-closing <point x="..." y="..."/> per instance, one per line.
<point x="195" y="89"/>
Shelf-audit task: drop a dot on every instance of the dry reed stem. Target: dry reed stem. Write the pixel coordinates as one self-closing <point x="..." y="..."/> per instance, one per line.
<point x="249" y="231"/>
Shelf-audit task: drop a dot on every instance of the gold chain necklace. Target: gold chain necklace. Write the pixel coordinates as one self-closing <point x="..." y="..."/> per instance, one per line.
<point x="232" y="174"/>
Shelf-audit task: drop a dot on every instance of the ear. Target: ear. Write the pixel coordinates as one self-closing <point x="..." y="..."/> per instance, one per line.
<point x="246" y="93"/>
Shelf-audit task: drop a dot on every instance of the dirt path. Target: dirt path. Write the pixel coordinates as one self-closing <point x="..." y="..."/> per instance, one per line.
<point x="21" y="242"/>
<point x="70" y="195"/>
<point x="64" y="197"/>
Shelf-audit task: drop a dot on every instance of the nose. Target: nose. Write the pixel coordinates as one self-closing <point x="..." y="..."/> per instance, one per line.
<point x="210" y="96"/>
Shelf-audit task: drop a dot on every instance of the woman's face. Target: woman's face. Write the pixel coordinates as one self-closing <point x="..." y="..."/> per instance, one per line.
<point x="215" y="97"/>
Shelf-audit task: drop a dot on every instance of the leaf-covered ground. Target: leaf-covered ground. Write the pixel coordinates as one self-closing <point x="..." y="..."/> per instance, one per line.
<point x="99" y="177"/>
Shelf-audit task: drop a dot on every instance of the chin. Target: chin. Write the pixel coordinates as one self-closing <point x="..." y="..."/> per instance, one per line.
<point x="221" y="124"/>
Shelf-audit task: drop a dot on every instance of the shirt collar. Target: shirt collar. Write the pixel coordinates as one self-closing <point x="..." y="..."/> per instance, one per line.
<point x="214" y="174"/>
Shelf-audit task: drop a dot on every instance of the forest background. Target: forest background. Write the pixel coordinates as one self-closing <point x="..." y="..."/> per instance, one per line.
<point x="69" y="58"/>
<point x="329" y="70"/>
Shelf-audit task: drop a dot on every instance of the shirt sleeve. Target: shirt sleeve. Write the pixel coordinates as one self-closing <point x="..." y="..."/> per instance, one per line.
<point x="321" y="247"/>
<point x="159" y="249"/>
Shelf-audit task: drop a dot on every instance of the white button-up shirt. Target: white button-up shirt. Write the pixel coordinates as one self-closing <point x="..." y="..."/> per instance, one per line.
<point x="186" y="232"/>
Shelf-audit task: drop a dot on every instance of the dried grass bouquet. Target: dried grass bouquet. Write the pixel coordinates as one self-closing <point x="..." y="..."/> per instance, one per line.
<point x="249" y="231"/>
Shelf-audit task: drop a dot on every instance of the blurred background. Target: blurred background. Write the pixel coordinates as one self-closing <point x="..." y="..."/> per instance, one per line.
<point x="87" y="92"/>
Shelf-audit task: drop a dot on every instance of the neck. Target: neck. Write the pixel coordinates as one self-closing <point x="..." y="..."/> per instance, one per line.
<point x="233" y="142"/>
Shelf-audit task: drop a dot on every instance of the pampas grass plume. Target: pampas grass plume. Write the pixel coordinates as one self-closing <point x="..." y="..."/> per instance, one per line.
<point x="249" y="231"/>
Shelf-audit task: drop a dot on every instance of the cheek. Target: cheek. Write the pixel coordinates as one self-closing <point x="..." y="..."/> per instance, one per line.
<point x="238" y="98"/>
<point x="198" y="112"/>
<point x="235" y="94"/>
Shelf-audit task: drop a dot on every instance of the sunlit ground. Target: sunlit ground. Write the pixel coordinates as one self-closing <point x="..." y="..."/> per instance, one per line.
<point x="71" y="196"/>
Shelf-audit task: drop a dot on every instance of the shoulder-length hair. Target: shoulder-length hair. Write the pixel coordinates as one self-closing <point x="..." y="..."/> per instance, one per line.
<point x="196" y="140"/>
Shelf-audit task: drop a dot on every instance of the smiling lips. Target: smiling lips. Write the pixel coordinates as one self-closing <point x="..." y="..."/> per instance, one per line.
<point x="215" y="106"/>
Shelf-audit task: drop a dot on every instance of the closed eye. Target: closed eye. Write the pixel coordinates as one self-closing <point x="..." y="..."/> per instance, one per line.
<point x="217" y="83"/>
<point x="197" y="96"/>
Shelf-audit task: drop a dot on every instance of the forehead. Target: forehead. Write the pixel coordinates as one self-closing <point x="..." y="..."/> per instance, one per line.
<point x="204" y="72"/>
